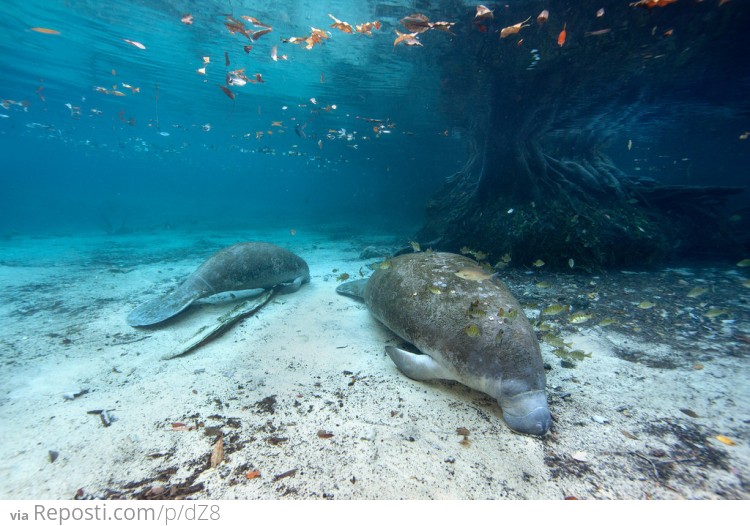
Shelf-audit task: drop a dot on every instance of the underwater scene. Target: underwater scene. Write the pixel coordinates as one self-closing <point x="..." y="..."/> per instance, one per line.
<point x="375" y="249"/>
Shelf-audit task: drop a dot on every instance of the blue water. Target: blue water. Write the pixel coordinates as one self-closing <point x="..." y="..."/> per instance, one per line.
<point x="178" y="151"/>
<point x="97" y="134"/>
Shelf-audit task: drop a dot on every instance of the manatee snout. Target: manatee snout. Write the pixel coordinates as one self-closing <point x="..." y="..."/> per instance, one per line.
<point x="527" y="412"/>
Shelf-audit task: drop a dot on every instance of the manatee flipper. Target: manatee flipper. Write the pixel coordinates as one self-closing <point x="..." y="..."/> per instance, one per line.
<point x="163" y="307"/>
<point x="417" y="366"/>
<point x="292" y="286"/>
<point x="354" y="289"/>
<point x="223" y="322"/>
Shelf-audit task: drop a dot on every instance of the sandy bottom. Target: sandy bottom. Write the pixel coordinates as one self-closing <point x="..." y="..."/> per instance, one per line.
<point x="306" y="405"/>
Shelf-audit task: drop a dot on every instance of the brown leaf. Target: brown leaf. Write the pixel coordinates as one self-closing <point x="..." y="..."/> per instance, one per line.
<point x="217" y="453"/>
<point x="254" y="474"/>
<point x="324" y="434"/>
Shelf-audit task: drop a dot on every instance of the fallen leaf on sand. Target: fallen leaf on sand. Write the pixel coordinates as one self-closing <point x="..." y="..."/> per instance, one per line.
<point x="580" y="456"/>
<point x="217" y="452"/>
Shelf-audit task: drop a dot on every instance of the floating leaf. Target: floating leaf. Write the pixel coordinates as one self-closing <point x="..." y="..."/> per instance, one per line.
<point x="134" y="43"/>
<point x="726" y="440"/>
<point x="45" y="30"/>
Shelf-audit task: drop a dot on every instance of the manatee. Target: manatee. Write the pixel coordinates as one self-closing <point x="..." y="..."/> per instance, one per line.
<point x="238" y="267"/>
<point x="467" y="327"/>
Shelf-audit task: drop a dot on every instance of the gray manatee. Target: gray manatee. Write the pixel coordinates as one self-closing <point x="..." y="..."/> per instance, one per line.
<point x="242" y="266"/>
<point x="468" y="327"/>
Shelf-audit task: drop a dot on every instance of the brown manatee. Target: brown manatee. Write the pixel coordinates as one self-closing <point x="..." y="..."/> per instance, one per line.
<point x="468" y="327"/>
<point x="242" y="266"/>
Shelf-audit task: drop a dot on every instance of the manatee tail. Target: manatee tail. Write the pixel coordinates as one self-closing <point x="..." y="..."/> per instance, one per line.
<point x="163" y="307"/>
<point x="354" y="289"/>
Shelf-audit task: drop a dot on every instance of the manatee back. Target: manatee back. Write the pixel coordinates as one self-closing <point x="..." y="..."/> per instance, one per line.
<point x="250" y="265"/>
<point x="450" y="308"/>
<point x="241" y="266"/>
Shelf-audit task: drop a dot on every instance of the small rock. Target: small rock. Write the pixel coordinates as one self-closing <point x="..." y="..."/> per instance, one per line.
<point x="53" y="455"/>
<point x="599" y="419"/>
<point x="450" y="460"/>
<point x="567" y="364"/>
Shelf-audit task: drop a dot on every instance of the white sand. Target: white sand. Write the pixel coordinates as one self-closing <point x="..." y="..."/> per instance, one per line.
<point x="321" y="356"/>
